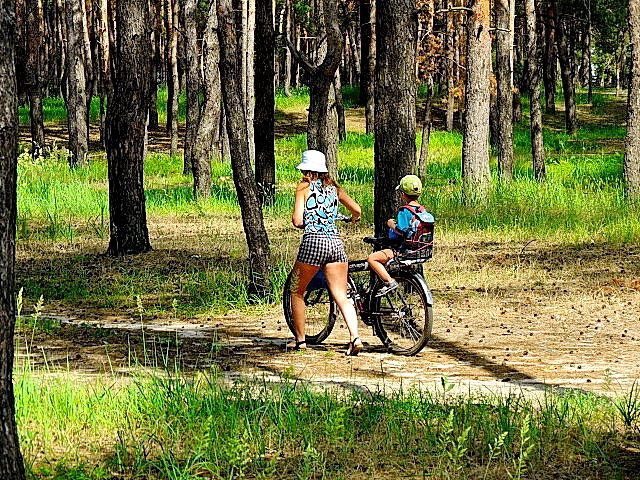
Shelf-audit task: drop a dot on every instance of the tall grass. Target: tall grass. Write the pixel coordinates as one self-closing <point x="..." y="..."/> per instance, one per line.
<point x="178" y="427"/>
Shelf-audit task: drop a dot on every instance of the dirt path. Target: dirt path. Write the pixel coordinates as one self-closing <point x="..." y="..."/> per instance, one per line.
<point x="503" y="319"/>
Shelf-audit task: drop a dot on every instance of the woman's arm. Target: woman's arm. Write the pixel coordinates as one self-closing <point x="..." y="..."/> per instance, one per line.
<point x="350" y="203"/>
<point x="298" y="207"/>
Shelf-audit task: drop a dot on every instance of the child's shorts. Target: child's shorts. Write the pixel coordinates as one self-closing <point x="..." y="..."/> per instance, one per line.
<point x="320" y="249"/>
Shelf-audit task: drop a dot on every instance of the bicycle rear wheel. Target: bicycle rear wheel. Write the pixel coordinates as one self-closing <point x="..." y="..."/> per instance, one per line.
<point x="404" y="316"/>
<point x="321" y="312"/>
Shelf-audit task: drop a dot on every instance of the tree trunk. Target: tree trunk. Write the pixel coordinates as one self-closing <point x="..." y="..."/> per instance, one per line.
<point x="264" y="121"/>
<point x="192" y="80"/>
<point x="426" y="132"/>
<point x="451" y="99"/>
<point x="105" y="67"/>
<point x="476" y="177"/>
<point x="249" y="77"/>
<point x="504" y="97"/>
<point x="11" y="465"/>
<point x="568" y="87"/>
<point x="369" y="109"/>
<point x="173" y="85"/>
<point x="537" y="144"/>
<point x="517" y="79"/>
<point x="395" y="104"/>
<point x="77" y="112"/>
<point x="35" y="42"/>
<point x="245" y="181"/>
<point x="207" y="135"/>
<point x="365" y="46"/>
<point x="156" y="16"/>
<point x="342" y="123"/>
<point x="550" y="59"/>
<point x="126" y="129"/>
<point x="632" y="150"/>
<point x="322" y="123"/>
<point x="589" y="66"/>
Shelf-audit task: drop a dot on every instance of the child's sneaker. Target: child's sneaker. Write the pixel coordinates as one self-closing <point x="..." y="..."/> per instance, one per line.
<point x="386" y="288"/>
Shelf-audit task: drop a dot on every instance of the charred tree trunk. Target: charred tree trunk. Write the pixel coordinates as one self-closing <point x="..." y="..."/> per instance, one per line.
<point x="192" y="80"/>
<point x="568" y="86"/>
<point x="264" y="121"/>
<point x="35" y="42"/>
<point x="537" y="144"/>
<point x="395" y="104"/>
<point x="77" y="111"/>
<point x="550" y="59"/>
<point x="245" y="182"/>
<point x="476" y="177"/>
<point x="11" y="465"/>
<point x="632" y="151"/>
<point x="504" y="97"/>
<point x="126" y="129"/>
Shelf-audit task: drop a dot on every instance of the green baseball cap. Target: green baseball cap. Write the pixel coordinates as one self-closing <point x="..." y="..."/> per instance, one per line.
<point x="410" y="184"/>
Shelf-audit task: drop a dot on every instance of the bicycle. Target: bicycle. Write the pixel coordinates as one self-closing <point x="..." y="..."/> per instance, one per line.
<point x="402" y="319"/>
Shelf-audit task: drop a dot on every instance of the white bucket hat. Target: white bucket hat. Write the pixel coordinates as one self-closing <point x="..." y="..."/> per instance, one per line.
<point x="313" y="161"/>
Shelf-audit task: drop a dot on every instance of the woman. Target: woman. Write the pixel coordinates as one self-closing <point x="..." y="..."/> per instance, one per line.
<point x="315" y="211"/>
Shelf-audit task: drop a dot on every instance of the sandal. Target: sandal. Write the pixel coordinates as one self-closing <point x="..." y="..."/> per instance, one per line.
<point x="353" y="348"/>
<point x="297" y="344"/>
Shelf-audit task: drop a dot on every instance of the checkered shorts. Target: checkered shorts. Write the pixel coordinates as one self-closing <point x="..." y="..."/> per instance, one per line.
<point x="320" y="249"/>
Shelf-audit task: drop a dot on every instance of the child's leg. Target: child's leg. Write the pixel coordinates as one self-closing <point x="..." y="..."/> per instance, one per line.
<point x="376" y="263"/>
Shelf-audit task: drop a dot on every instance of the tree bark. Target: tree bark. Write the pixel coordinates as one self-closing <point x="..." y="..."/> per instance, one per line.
<point x="537" y="144"/>
<point x="426" y="132"/>
<point x="451" y="99"/>
<point x="476" y="177"/>
<point x="550" y="59"/>
<point x="11" y="464"/>
<point x="35" y="43"/>
<point x="342" y="122"/>
<point x="249" y="76"/>
<point x="192" y="80"/>
<point x="395" y="104"/>
<point x="173" y="82"/>
<point x="517" y="79"/>
<point x="504" y="96"/>
<point x="365" y="45"/>
<point x="77" y="111"/>
<point x="156" y="15"/>
<point x="264" y="121"/>
<point x="126" y="129"/>
<point x="566" y="71"/>
<point x="322" y="122"/>
<point x="369" y="109"/>
<point x="245" y="181"/>
<point x="632" y="150"/>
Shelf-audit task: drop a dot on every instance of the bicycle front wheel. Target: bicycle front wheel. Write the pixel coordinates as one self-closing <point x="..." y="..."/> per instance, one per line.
<point x="321" y="313"/>
<point x="404" y="316"/>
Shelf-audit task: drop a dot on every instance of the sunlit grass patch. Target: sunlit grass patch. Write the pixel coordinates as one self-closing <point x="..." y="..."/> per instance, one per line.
<point x="175" y="426"/>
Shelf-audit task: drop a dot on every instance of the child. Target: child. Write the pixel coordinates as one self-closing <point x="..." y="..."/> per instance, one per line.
<point x="410" y="188"/>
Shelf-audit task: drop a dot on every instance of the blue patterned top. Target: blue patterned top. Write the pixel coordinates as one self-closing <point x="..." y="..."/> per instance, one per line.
<point x="321" y="209"/>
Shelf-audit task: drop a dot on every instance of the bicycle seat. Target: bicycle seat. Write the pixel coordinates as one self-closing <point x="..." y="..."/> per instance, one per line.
<point x="381" y="241"/>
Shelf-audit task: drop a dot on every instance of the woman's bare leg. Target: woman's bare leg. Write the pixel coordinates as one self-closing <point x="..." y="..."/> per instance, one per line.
<point x="336" y="274"/>
<point x="302" y="274"/>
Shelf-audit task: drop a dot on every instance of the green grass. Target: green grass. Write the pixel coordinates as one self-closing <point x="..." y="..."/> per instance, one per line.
<point x="183" y="428"/>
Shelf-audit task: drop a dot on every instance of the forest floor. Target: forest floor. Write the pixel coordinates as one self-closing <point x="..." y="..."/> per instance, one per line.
<point x="508" y="315"/>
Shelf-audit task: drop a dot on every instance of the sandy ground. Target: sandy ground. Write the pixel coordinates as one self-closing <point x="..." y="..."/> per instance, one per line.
<point x="505" y="319"/>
